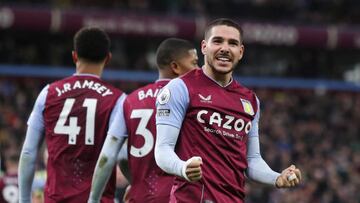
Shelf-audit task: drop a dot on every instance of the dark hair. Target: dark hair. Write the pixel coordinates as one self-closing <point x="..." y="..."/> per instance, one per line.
<point x="223" y="21"/>
<point x="92" y="44"/>
<point x="172" y="49"/>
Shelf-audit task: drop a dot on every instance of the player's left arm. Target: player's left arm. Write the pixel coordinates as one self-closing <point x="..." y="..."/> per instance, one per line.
<point x="122" y="158"/>
<point x="105" y="166"/>
<point x="33" y="139"/>
<point x="108" y="156"/>
<point x="258" y="170"/>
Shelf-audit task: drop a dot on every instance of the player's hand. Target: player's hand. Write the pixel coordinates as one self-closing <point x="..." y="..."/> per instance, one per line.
<point x="193" y="169"/>
<point x="289" y="177"/>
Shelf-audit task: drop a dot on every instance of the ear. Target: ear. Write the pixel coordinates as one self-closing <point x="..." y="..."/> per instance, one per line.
<point x="175" y="67"/>
<point x="203" y="47"/>
<point x="108" y="58"/>
<point x="74" y="56"/>
<point x="242" y="49"/>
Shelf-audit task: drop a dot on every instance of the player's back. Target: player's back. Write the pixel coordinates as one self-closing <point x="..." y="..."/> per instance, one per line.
<point x="9" y="191"/>
<point x="149" y="183"/>
<point x="76" y="117"/>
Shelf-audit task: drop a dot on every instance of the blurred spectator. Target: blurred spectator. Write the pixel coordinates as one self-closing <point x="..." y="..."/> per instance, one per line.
<point x="321" y="134"/>
<point x="9" y="191"/>
<point x="309" y="11"/>
<point x="137" y="54"/>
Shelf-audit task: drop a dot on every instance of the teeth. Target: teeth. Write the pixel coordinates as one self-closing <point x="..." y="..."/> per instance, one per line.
<point x="224" y="59"/>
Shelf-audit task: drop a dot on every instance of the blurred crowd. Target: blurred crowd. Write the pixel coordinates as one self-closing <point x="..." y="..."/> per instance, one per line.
<point x="315" y="11"/>
<point x="134" y="53"/>
<point x="316" y="130"/>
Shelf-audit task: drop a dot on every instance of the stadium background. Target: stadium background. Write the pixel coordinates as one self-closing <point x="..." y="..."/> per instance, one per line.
<point x="302" y="58"/>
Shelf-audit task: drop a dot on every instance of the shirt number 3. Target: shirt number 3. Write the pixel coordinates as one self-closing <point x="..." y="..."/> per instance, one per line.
<point x="144" y="115"/>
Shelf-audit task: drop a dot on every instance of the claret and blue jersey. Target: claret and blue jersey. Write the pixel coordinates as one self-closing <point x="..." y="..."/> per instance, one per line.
<point x="148" y="183"/>
<point x="214" y="123"/>
<point x="74" y="113"/>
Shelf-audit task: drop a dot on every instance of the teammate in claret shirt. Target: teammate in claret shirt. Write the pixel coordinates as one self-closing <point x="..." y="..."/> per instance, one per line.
<point x="73" y="115"/>
<point x="149" y="183"/>
<point x="9" y="191"/>
<point x="207" y="127"/>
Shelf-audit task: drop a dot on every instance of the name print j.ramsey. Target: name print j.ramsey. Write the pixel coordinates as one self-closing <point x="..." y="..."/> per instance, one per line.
<point x="89" y="84"/>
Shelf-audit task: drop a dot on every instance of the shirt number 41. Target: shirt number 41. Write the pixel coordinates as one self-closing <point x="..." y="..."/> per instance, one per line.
<point x="72" y="129"/>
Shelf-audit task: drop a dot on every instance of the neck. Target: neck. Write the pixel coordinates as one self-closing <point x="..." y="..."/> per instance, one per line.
<point x="89" y="68"/>
<point x="223" y="79"/>
<point x="163" y="74"/>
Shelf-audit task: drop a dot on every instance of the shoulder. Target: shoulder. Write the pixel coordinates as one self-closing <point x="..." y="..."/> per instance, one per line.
<point x="176" y="89"/>
<point x="243" y="89"/>
<point x="148" y="92"/>
<point x="112" y="87"/>
<point x="187" y="80"/>
<point x="191" y="74"/>
<point x="176" y="84"/>
<point x="135" y="93"/>
<point x="61" y="81"/>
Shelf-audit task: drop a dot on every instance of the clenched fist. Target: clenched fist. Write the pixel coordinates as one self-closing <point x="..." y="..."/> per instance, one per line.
<point x="192" y="171"/>
<point x="289" y="177"/>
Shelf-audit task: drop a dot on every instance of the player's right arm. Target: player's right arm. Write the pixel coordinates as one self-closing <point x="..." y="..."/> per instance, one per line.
<point x="109" y="152"/>
<point x="172" y="103"/>
<point x="123" y="162"/>
<point x="33" y="139"/>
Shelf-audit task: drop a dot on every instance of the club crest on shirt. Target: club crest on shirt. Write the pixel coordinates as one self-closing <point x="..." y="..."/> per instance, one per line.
<point x="247" y="107"/>
<point x="164" y="96"/>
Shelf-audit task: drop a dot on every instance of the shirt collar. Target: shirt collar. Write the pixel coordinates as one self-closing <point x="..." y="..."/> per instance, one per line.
<point x="231" y="79"/>
<point x="86" y="74"/>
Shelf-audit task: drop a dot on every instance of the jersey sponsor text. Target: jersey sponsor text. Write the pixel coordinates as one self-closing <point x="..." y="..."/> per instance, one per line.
<point x="225" y="122"/>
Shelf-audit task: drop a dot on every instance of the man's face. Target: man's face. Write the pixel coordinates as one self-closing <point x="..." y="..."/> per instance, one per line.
<point x="188" y="62"/>
<point x="222" y="49"/>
